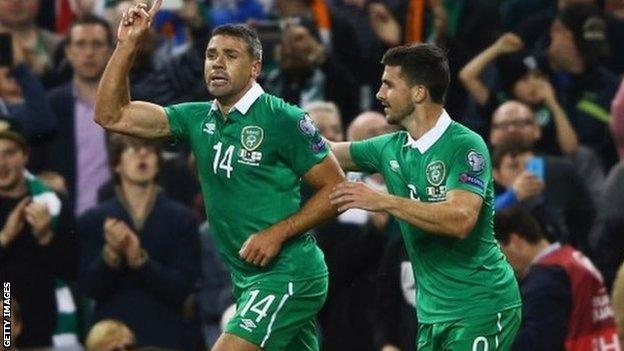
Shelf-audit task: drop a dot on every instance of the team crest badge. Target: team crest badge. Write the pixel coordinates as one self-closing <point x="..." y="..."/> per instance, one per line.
<point x="476" y="161"/>
<point x="436" y="171"/>
<point x="251" y="137"/>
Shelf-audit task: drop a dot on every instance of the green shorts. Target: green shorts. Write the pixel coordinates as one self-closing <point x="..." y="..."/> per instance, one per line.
<point x="483" y="333"/>
<point x="279" y="316"/>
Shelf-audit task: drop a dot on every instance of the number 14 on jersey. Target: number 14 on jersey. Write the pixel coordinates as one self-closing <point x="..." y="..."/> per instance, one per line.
<point x="224" y="161"/>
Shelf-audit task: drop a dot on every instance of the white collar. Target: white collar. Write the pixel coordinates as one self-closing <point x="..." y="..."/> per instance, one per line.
<point x="428" y="139"/>
<point x="244" y="104"/>
<point x="552" y="247"/>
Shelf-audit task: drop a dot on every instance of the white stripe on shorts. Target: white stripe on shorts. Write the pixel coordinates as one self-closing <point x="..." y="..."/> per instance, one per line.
<point x="279" y="307"/>
<point x="500" y="328"/>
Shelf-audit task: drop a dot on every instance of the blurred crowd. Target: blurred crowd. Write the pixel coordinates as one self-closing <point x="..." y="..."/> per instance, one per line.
<point x="104" y="238"/>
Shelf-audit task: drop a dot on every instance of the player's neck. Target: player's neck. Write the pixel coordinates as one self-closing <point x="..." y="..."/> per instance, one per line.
<point x="226" y="102"/>
<point x="423" y="119"/>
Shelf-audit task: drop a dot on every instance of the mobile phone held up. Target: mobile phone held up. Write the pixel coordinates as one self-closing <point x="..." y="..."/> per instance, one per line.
<point x="535" y="166"/>
<point x="6" y="50"/>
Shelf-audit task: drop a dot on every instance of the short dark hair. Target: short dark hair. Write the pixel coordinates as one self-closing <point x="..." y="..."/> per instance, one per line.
<point x="509" y="147"/>
<point x="244" y="32"/>
<point x="117" y="144"/>
<point x="89" y="19"/>
<point x="519" y="221"/>
<point x="424" y="64"/>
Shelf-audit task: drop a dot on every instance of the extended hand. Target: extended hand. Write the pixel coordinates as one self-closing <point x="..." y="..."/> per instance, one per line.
<point x="509" y="43"/>
<point x="527" y="185"/>
<point x="546" y="91"/>
<point x="39" y="218"/>
<point x="261" y="248"/>
<point x="115" y="234"/>
<point x="384" y="24"/>
<point x="348" y="195"/>
<point x="136" y="21"/>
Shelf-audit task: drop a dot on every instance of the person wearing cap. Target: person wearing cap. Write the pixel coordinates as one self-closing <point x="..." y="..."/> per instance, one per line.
<point x="573" y="58"/>
<point x="36" y="242"/>
<point x="521" y="81"/>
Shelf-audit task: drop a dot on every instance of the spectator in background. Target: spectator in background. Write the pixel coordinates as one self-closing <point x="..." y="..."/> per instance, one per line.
<point x="337" y="37"/>
<point x="522" y="81"/>
<point x="23" y="98"/>
<point x="394" y="307"/>
<point x="78" y="152"/>
<point x="547" y="186"/>
<point x="40" y="45"/>
<point x="16" y="325"/>
<point x="583" y="85"/>
<point x="565" y="305"/>
<point x="610" y="241"/>
<point x="535" y="25"/>
<point x="515" y="121"/>
<point x="109" y="335"/>
<point x="352" y="246"/>
<point x="139" y="252"/>
<point x="36" y="241"/>
<point x="327" y="118"/>
<point x="618" y="302"/>
<point x="236" y="11"/>
<point x="394" y="297"/>
<point x="307" y="72"/>
<point x="214" y="293"/>
<point x="161" y="74"/>
<point x="617" y="120"/>
<point x="369" y="124"/>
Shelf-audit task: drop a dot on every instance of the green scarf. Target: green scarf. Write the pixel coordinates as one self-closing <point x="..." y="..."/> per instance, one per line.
<point x="66" y="333"/>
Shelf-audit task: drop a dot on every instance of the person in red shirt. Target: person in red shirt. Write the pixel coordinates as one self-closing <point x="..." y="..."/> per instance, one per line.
<point x="565" y="302"/>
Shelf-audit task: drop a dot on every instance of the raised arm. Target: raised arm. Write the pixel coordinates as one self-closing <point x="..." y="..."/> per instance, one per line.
<point x="113" y="109"/>
<point x="566" y="135"/>
<point x="470" y="74"/>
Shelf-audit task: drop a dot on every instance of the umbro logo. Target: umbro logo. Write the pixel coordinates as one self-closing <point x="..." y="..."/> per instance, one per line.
<point x="209" y="127"/>
<point x="248" y="325"/>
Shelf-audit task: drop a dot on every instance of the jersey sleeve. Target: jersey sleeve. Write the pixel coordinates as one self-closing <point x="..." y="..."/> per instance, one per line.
<point x="470" y="168"/>
<point x="366" y="154"/>
<point x="303" y="147"/>
<point x="178" y="124"/>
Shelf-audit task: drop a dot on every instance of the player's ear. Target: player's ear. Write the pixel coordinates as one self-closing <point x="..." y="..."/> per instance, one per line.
<point x="256" y="68"/>
<point x="419" y="94"/>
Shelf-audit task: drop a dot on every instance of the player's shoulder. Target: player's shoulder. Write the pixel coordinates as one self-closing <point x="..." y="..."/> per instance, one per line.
<point x="278" y="109"/>
<point x="194" y="107"/>
<point x="389" y="139"/>
<point x="462" y="136"/>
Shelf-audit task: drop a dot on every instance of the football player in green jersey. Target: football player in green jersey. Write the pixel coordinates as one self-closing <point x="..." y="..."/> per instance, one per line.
<point x="438" y="173"/>
<point x="252" y="149"/>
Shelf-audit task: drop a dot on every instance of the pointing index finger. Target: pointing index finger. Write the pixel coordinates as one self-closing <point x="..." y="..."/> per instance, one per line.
<point x="155" y="7"/>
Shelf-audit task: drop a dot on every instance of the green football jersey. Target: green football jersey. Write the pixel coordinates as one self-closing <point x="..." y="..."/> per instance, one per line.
<point x="457" y="278"/>
<point x="250" y="164"/>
